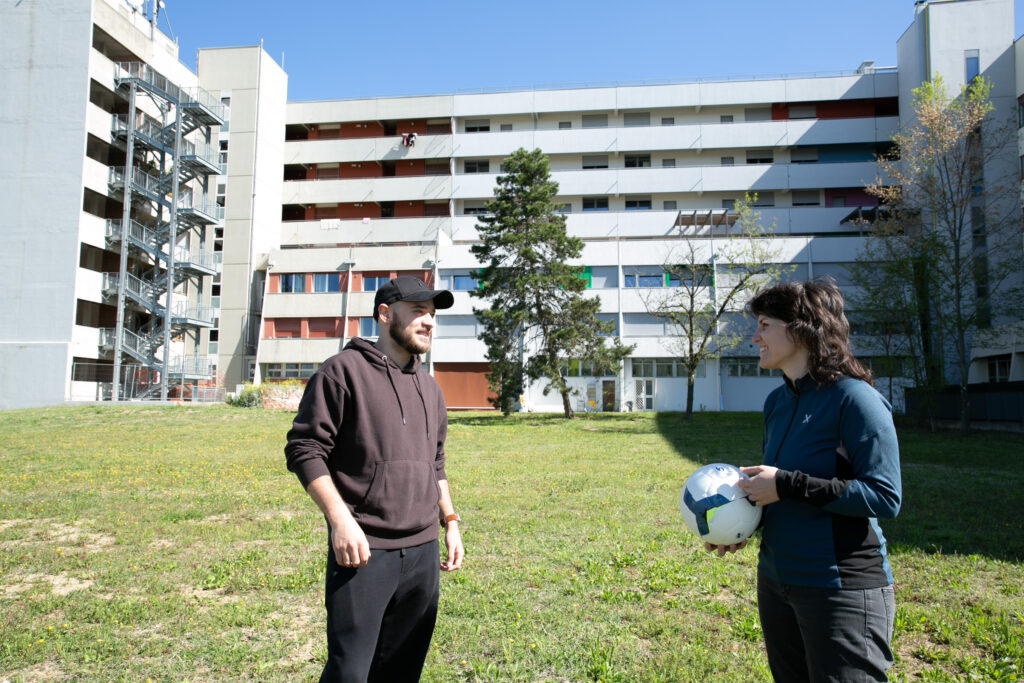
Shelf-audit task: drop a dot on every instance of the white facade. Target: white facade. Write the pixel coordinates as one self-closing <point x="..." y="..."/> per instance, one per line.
<point x="325" y="200"/>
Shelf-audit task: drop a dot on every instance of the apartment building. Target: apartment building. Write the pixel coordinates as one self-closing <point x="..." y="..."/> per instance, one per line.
<point x="112" y="223"/>
<point x="217" y="234"/>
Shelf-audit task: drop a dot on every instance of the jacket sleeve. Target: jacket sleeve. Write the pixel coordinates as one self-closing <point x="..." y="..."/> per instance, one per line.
<point x="315" y="428"/>
<point x="875" y="487"/>
<point x="442" y="435"/>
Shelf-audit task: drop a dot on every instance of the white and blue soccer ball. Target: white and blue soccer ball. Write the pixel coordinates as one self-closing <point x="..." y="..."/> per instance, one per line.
<point x="715" y="508"/>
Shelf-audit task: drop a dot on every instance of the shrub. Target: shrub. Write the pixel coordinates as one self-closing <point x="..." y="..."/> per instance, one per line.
<point x="249" y="397"/>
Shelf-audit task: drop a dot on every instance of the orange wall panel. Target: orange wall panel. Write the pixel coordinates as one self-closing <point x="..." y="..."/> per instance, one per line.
<point x="362" y="129"/>
<point x="408" y="209"/>
<point x="406" y="167"/>
<point x="360" y="169"/>
<point x="359" y="210"/>
<point x="418" y="126"/>
<point x="464" y="385"/>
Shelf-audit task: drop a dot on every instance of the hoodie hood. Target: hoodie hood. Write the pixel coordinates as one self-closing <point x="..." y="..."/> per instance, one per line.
<point x="376" y="357"/>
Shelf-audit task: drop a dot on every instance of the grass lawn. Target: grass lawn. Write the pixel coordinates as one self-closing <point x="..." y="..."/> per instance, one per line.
<point x="170" y="544"/>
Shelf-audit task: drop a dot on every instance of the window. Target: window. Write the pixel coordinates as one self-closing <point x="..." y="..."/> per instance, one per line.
<point x="803" y="155"/>
<point x="803" y="111"/>
<point x="595" y="120"/>
<point x="757" y="114"/>
<point x="436" y="168"/>
<point x="638" y="161"/>
<point x="728" y="161"/>
<point x="565" y="208"/>
<point x="564" y="125"/>
<point x="729" y="204"/>
<point x="290" y="370"/>
<point x="885" y="366"/>
<point x="638" y="203"/>
<point x="643" y="276"/>
<point x="368" y="327"/>
<point x="668" y="205"/>
<point x="1020" y="112"/>
<point x="760" y="156"/>
<point x="454" y="326"/>
<point x="972" y="66"/>
<point x="725" y="118"/>
<point x="806" y="198"/>
<point x="373" y="283"/>
<point x="292" y="283"/>
<point x="668" y="163"/>
<point x="460" y="280"/>
<point x="642" y="325"/>
<point x="506" y="127"/>
<point x="999" y="368"/>
<point x="637" y="119"/>
<point x="764" y="199"/>
<point x="478" y="125"/>
<point x="668" y="120"/>
<point x="325" y="282"/>
<point x="595" y="161"/>
<point x="477" y="166"/>
<point x="665" y="367"/>
<point x="747" y="367"/>
<point x="595" y="203"/>
<point x="838" y="201"/>
<point x="474" y="208"/>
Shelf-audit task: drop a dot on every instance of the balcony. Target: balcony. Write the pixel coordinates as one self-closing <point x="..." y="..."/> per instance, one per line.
<point x="709" y="136"/>
<point x="367" y="149"/>
<point x="376" y="231"/>
<point x="367" y="190"/>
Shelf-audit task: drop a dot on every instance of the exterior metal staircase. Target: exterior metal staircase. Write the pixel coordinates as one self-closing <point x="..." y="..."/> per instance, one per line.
<point x="158" y="288"/>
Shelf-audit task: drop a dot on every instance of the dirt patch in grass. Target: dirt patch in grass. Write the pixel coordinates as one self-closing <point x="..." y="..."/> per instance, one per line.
<point x="48" y="531"/>
<point x="43" y="671"/>
<point x="60" y="584"/>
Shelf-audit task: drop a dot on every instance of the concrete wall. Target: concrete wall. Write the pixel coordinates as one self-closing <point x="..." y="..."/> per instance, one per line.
<point x="45" y="85"/>
<point x="252" y="223"/>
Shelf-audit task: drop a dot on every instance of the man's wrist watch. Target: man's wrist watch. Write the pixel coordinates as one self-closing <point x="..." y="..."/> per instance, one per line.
<point x="454" y="517"/>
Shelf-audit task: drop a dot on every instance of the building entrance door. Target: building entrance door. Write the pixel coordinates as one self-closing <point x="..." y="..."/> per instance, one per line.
<point x="608" y="396"/>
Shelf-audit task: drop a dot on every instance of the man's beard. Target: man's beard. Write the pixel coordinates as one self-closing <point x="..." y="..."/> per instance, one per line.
<point x="405" y="338"/>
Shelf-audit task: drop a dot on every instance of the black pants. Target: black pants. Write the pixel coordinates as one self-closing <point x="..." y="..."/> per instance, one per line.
<point x="380" y="617"/>
<point x="826" y="635"/>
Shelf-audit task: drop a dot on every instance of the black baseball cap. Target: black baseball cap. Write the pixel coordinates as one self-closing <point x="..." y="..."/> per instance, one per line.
<point x="409" y="288"/>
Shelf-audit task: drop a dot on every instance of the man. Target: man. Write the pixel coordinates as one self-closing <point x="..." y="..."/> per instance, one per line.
<point x="368" y="446"/>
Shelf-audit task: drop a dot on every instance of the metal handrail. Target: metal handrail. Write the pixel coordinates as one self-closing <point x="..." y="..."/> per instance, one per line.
<point x="185" y="96"/>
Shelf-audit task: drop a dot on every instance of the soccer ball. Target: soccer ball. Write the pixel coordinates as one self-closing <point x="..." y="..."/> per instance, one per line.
<point x="715" y="508"/>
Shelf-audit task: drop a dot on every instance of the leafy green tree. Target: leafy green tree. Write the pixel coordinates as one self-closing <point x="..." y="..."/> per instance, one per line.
<point x="711" y="276"/>
<point x="949" y="237"/>
<point x="537" y="314"/>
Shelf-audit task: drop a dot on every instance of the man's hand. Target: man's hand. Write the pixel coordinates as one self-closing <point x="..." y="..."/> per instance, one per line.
<point x="349" y="543"/>
<point x="723" y="549"/>
<point x="760" y="488"/>
<point x="453" y="542"/>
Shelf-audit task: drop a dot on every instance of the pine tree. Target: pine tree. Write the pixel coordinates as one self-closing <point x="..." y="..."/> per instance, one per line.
<point x="538" y="315"/>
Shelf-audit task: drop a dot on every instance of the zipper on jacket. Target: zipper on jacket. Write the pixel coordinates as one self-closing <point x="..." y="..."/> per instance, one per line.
<point x="785" y="435"/>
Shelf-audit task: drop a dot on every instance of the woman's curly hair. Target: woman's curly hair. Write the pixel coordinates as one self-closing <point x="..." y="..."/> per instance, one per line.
<point x="814" y="317"/>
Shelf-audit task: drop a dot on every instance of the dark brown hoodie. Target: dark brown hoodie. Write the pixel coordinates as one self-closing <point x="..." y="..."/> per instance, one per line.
<point x="378" y="430"/>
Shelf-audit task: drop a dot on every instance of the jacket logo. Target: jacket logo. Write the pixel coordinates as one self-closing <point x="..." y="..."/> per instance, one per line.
<point x="807" y="418"/>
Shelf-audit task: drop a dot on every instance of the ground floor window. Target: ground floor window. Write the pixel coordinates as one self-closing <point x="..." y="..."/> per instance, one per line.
<point x="747" y="367"/>
<point x="290" y="370"/>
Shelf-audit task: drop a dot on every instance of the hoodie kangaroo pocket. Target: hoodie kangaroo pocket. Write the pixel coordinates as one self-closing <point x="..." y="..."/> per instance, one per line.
<point x="403" y="495"/>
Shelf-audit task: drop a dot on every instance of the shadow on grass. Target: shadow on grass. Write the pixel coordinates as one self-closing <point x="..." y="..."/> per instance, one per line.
<point x="960" y="493"/>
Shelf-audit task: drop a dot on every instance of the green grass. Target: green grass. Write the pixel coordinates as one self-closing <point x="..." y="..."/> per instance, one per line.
<point x="169" y="543"/>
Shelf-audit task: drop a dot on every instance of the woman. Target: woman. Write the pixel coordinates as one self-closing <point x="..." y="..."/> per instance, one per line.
<point x="830" y="469"/>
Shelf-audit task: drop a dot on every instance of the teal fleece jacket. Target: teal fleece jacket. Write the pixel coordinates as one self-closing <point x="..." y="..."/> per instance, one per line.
<point x="824" y="531"/>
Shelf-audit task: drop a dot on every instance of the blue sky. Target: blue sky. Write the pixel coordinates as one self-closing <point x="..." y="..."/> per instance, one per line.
<point x="353" y="48"/>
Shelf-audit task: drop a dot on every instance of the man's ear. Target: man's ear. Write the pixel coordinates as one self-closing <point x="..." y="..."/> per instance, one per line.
<point x="384" y="313"/>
